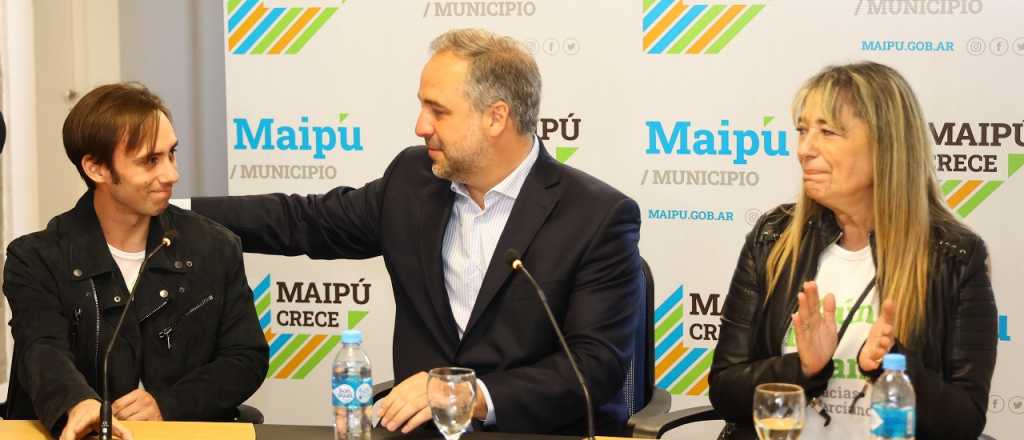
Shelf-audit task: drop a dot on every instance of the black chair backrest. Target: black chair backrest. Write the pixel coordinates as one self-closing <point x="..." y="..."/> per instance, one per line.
<point x="639" y="386"/>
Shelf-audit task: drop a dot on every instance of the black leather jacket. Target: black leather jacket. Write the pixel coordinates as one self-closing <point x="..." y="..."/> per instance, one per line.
<point x="950" y="364"/>
<point x="191" y="337"/>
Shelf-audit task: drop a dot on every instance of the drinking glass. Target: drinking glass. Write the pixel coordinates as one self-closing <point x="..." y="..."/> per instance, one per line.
<point x="451" y="392"/>
<point x="779" y="411"/>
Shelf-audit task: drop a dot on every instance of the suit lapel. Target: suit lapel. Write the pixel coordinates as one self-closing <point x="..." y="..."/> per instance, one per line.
<point x="535" y="201"/>
<point x="436" y="202"/>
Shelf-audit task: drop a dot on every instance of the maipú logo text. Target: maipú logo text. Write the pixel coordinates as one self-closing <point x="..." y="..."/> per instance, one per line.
<point x="253" y="29"/>
<point x="720" y="141"/>
<point x="673" y="27"/>
<point x="271" y="135"/>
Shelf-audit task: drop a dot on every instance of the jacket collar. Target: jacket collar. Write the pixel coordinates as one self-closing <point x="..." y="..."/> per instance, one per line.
<point x="88" y="253"/>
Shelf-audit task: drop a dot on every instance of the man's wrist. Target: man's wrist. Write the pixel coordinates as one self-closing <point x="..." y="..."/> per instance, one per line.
<point x="479" y="404"/>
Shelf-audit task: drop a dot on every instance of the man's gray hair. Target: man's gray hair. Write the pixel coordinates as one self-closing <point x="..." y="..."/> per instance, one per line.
<point x="500" y="69"/>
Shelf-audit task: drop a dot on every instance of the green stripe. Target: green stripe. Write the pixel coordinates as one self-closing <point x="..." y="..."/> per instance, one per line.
<point x="286" y="353"/>
<point x="311" y="30"/>
<point x="979" y="196"/>
<point x="312" y="362"/>
<point x="282" y="23"/>
<point x="734" y="29"/>
<point x="263" y="304"/>
<point x="669" y="321"/>
<point x="647" y="4"/>
<point x="695" y="373"/>
<point x="695" y="29"/>
<point x="948" y="186"/>
<point x="232" y="5"/>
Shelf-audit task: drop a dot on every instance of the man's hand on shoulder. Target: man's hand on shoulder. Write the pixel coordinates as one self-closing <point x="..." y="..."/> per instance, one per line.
<point x="84" y="418"/>
<point x="137" y="405"/>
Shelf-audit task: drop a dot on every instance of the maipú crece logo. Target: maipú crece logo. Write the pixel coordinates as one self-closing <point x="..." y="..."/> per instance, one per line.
<point x="293" y="355"/>
<point x="975" y="150"/>
<point x="678" y="367"/>
<point x="673" y="27"/>
<point x="253" y="29"/>
<point x="569" y="130"/>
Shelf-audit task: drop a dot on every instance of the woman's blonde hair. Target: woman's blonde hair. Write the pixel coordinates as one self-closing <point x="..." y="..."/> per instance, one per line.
<point x="906" y="195"/>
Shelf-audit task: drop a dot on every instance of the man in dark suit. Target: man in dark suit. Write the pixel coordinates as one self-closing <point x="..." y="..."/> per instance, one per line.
<point x="444" y="214"/>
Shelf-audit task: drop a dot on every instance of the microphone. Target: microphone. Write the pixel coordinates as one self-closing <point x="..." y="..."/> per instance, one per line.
<point x="106" y="415"/>
<point x="513" y="259"/>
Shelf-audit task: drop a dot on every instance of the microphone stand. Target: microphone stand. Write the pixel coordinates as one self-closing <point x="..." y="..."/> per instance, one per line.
<point x="512" y="257"/>
<point x="106" y="416"/>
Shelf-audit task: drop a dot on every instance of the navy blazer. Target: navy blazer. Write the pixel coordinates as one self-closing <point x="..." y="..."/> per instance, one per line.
<point x="577" y="234"/>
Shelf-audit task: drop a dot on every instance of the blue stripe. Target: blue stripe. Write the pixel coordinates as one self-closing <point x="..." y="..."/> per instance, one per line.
<point x="1004" y="333"/>
<point x="669" y="304"/>
<point x="678" y="28"/>
<point x="670" y="340"/>
<point x="279" y="343"/>
<point x="240" y="14"/>
<point x="261" y="288"/>
<point x="261" y="29"/>
<point x="656" y="12"/>
<point x="681" y="367"/>
<point x="265" y="320"/>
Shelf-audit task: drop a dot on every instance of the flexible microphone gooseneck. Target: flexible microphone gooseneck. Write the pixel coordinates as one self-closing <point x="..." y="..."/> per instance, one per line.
<point x="106" y="416"/>
<point x="513" y="259"/>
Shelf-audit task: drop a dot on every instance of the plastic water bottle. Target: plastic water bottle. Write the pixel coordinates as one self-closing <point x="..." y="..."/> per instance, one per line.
<point x="352" y="389"/>
<point x="892" y="401"/>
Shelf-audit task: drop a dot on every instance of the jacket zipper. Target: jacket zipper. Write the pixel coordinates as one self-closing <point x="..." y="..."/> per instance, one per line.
<point x="166" y="333"/>
<point x="157" y="309"/>
<point x="75" y="323"/>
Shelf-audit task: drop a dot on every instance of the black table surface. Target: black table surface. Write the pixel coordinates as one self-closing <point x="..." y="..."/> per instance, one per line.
<point x="292" y="432"/>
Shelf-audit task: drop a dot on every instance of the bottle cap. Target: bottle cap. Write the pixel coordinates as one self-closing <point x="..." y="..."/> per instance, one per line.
<point x="352" y="337"/>
<point x="894" y="361"/>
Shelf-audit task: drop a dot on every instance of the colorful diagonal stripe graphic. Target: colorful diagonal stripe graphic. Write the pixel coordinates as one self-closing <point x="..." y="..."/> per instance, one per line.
<point x="294" y="355"/>
<point x="253" y="29"/>
<point x="677" y="368"/>
<point x="964" y="196"/>
<point x="674" y="27"/>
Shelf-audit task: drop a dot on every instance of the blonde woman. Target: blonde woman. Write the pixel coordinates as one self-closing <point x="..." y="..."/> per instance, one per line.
<point x="868" y="261"/>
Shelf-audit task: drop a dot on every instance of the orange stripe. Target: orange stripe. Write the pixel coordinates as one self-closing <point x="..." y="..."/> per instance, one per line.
<point x="700" y="386"/>
<point x="300" y="356"/>
<point x="669" y="360"/>
<point x="716" y="28"/>
<point x="294" y="30"/>
<point x="659" y="28"/>
<point x="954" y="200"/>
<point x="243" y="30"/>
<point x="269" y="335"/>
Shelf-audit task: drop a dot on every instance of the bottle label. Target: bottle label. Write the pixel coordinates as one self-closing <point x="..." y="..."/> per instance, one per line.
<point x="343" y="395"/>
<point x="364" y="393"/>
<point x="892" y="422"/>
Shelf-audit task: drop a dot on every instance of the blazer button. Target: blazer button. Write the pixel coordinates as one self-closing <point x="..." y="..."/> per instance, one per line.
<point x="117" y="299"/>
<point x="188" y="263"/>
<point x="163" y="293"/>
<point x="177" y="264"/>
<point x="77" y="273"/>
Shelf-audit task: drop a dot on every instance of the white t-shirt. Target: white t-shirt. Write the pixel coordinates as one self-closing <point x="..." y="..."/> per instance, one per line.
<point x="129" y="263"/>
<point x="844" y="274"/>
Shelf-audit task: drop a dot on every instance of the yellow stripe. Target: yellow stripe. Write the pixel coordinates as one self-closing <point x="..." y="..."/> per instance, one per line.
<point x="954" y="200"/>
<point x="299" y="357"/>
<point x="659" y="28"/>
<point x="247" y="25"/>
<point x="293" y="31"/>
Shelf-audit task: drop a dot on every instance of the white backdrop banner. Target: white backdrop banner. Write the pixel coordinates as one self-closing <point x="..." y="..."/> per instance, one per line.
<point x="683" y="106"/>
